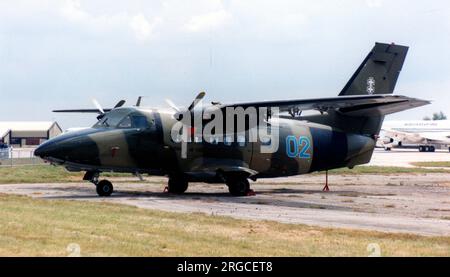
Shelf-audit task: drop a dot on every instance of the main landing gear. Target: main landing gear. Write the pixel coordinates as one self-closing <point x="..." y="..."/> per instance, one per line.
<point x="238" y="185"/>
<point x="177" y="185"/>
<point x="427" y="148"/>
<point x="103" y="187"/>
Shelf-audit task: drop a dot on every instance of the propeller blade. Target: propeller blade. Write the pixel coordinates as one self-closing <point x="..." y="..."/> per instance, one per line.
<point x="98" y="106"/>
<point x="172" y="105"/>
<point x="80" y="111"/>
<point x="119" y="104"/>
<point x="138" y="102"/>
<point x="197" y="100"/>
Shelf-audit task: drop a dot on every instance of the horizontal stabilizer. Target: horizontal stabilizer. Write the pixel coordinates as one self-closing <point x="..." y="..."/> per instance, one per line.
<point x="364" y="105"/>
<point x="384" y="108"/>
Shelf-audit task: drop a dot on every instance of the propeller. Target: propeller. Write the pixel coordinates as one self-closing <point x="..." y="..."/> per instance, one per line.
<point x="172" y="105"/>
<point x="119" y="104"/>
<point x="138" y="102"/>
<point x="98" y="106"/>
<point x="197" y="99"/>
<point x="102" y="111"/>
<point x="194" y="103"/>
<point x="99" y="110"/>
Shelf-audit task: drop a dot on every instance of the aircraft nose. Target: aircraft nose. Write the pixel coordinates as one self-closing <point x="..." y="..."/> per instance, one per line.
<point x="41" y="151"/>
<point x="45" y="150"/>
<point x="76" y="148"/>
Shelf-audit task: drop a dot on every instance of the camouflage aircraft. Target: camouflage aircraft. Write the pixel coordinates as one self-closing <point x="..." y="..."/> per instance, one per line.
<point x="338" y="132"/>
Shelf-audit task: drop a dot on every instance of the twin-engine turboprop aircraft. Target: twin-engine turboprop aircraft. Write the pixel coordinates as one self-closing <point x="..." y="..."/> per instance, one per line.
<point x="275" y="138"/>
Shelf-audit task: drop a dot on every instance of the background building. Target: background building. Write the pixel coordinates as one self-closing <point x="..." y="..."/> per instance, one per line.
<point x="28" y="133"/>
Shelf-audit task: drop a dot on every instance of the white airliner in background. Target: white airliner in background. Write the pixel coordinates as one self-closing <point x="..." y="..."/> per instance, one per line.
<point x="425" y="135"/>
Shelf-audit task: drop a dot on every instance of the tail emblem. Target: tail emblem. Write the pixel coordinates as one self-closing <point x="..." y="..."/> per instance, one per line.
<point x="370" y="85"/>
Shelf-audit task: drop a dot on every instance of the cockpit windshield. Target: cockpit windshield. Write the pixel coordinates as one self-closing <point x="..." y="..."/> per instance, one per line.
<point x="122" y="118"/>
<point x="133" y="121"/>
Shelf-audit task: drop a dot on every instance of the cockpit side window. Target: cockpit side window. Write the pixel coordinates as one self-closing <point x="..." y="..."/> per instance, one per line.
<point x="125" y="123"/>
<point x="134" y="121"/>
<point x="139" y="121"/>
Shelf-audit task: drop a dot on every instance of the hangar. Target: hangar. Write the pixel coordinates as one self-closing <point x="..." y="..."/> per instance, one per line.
<point x="28" y="133"/>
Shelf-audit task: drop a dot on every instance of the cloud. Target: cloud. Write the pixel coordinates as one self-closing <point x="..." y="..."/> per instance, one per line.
<point x="67" y="49"/>
<point x="72" y="11"/>
<point x="142" y="28"/>
<point x="208" y="21"/>
<point x="374" y="3"/>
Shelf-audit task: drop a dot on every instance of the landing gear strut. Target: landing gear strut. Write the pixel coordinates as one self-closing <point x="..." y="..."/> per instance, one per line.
<point x="103" y="187"/>
<point x="238" y="185"/>
<point x="326" y="188"/>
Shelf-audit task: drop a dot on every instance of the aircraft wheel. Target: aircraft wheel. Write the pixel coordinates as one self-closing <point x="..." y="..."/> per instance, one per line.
<point x="104" y="188"/>
<point x="177" y="185"/>
<point x="238" y="186"/>
<point x="421" y="149"/>
<point x="432" y="149"/>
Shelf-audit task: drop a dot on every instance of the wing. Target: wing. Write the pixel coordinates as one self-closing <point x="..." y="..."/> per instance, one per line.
<point x="366" y="105"/>
<point x="404" y="136"/>
<point x="81" y="111"/>
<point x="439" y="138"/>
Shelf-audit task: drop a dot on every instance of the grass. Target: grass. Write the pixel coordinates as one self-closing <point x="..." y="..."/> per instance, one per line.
<point x="21" y="161"/>
<point x="35" y="227"/>
<point x="42" y="174"/>
<point x="432" y="164"/>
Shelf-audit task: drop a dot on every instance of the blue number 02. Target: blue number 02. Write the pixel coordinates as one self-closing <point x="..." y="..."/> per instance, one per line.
<point x="298" y="147"/>
<point x="304" y="145"/>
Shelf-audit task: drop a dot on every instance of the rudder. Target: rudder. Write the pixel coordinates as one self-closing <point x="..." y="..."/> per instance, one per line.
<point x="379" y="71"/>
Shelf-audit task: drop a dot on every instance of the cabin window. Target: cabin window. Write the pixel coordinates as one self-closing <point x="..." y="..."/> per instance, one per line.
<point x="214" y="140"/>
<point x="228" y="140"/>
<point x="178" y="136"/>
<point x="241" y="141"/>
<point x="266" y="140"/>
<point x="197" y="139"/>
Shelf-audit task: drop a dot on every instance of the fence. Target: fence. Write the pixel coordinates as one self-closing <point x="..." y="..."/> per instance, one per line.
<point x="18" y="156"/>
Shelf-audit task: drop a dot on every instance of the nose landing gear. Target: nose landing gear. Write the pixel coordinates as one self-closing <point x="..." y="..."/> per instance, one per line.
<point x="103" y="187"/>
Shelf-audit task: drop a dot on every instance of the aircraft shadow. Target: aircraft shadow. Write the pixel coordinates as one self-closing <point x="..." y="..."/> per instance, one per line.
<point x="211" y="197"/>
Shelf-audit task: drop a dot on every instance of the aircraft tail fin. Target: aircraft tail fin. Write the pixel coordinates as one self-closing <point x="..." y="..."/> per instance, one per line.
<point x="379" y="71"/>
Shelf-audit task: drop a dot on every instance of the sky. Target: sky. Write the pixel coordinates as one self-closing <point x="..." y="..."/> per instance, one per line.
<point x="61" y="54"/>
